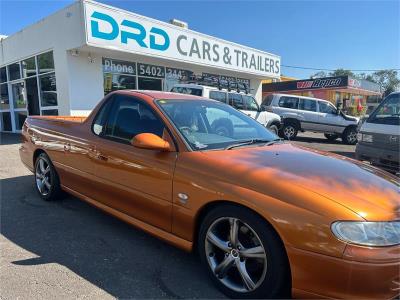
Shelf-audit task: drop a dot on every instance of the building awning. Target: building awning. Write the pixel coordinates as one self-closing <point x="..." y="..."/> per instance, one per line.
<point x="338" y="83"/>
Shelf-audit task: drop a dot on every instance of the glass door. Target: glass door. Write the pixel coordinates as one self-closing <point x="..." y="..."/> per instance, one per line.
<point x="18" y="91"/>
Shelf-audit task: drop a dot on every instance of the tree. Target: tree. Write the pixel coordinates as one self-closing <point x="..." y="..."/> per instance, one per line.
<point x="387" y="79"/>
<point x="342" y="72"/>
<point x="319" y="74"/>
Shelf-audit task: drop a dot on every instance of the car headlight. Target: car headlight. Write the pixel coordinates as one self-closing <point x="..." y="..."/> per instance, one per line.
<point x="368" y="233"/>
<point x="367" y="138"/>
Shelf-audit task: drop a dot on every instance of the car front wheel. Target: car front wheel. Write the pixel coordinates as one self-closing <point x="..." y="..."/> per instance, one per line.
<point x="349" y="136"/>
<point x="243" y="255"/>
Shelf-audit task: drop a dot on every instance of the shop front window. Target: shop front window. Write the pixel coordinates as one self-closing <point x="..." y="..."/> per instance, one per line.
<point x="28" y="67"/>
<point x="46" y="62"/>
<point x="48" y="90"/>
<point x="5" y="121"/>
<point x="20" y="117"/>
<point x="14" y="71"/>
<point x="3" y="74"/>
<point x="18" y="93"/>
<point x="4" y="98"/>
<point x="114" y="82"/>
<point x="50" y="112"/>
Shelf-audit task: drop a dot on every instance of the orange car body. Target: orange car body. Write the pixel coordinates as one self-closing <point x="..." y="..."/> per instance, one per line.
<point x="299" y="191"/>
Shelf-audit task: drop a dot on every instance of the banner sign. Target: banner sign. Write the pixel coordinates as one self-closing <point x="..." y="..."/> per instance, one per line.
<point x="118" y="66"/>
<point x="151" y="70"/>
<point x="178" y="74"/>
<point x="321" y="83"/>
<point x="121" y="30"/>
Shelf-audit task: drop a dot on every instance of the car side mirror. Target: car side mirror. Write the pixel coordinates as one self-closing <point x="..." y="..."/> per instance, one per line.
<point x="150" y="141"/>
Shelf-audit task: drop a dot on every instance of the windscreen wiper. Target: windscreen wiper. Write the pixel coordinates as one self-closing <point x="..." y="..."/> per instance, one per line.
<point x="248" y="142"/>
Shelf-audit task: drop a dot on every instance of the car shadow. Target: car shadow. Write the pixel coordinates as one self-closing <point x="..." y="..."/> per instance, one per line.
<point x="119" y="259"/>
<point x="321" y="140"/>
<point x="345" y="153"/>
<point x="10" y="138"/>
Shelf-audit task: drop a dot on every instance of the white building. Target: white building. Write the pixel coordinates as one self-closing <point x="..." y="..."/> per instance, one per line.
<point x="65" y="63"/>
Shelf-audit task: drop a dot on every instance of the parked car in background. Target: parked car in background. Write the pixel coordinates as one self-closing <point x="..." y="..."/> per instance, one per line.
<point x="379" y="136"/>
<point x="269" y="219"/>
<point x="301" y="113"/>
<point x="239" y="100"/>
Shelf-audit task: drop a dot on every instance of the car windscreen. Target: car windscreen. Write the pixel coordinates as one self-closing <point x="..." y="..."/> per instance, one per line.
<point x="208" y="125"/>
<point x="388" y="112"/>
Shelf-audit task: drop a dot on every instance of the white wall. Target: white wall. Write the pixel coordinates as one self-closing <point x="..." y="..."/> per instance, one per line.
<point x="79" y="80"/>
<point x="58" y="32"/>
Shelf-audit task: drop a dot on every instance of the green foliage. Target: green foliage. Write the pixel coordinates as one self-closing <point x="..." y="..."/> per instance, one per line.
<point x="387" y="79"/>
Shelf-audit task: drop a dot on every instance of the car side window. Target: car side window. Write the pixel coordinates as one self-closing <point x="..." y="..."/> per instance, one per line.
<point x="308" y="104"/>
<point x="250" y="103"/>
<point x="217" y="95"/>
<point x="98" y="127"/>
<point x="236" y="101"/>
<point x="129" y="117"/>
<point x="326" y="108"/>
<point x="289" y="102"/>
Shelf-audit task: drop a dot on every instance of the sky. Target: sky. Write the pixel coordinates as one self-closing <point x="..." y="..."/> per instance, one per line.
<point x="317" y="34"/>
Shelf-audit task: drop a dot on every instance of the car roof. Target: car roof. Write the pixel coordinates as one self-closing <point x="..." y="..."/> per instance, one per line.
<point x="214" y="88"/>
<point x="162" y="95"/>
<point x="304" y="97"/>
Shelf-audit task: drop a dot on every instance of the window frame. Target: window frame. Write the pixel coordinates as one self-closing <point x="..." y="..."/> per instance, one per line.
<point x="289" y="97"/>
<point x="252" y="99"/>
<point x="108" y="115"/>
<point x="329" y="105"/>
<point x="232" y="104"/>
<point x="221" y="92"/>
<point x="307" y="99"/>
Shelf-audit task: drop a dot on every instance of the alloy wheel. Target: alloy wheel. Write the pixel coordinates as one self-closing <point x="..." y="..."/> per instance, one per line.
<point x="352" y="137"/>
<point x="236" y="254"/>
<point x="289" y="131"/>
<point x="43" y="177"/>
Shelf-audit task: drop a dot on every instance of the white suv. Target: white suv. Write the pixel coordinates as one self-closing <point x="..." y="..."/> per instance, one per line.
<point x="311" y="114"/>
<point x="241" y="101"/>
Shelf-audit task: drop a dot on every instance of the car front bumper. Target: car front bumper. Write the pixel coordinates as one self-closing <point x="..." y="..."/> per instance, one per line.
<point x="387" y="159"/>
<point x="362" y="273"/>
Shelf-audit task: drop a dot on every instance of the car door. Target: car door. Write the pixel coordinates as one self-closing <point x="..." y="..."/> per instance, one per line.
<point x="329" y="119"/>
<point x="235" y="100"/>
<point x="288" y="107"/>
<point x="310" y="119"/>
<point x="137" y="182"/>
<point x="252" y="109"/>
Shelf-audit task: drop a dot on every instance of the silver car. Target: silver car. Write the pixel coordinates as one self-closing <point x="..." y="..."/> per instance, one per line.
<point x="379" y="136"/>
<point x="301" y="113"/>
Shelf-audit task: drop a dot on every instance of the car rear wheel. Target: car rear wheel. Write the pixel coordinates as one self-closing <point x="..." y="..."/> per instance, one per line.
<point x="289" y="131"/>
<point x="46" y="178"/>
<point x="331" y="137"/>
<point x="243" y="255"/>
<point x="349" y="136"/>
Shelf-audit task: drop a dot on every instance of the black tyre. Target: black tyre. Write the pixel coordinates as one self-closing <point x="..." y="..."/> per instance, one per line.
<point x="289" y="131"/>
<point x="47" y="182"/>
<point x="243" y="255"/>
<point x="349" y="136"/>
<point x="331" y="137"/>
<point x="274" y="129"/>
